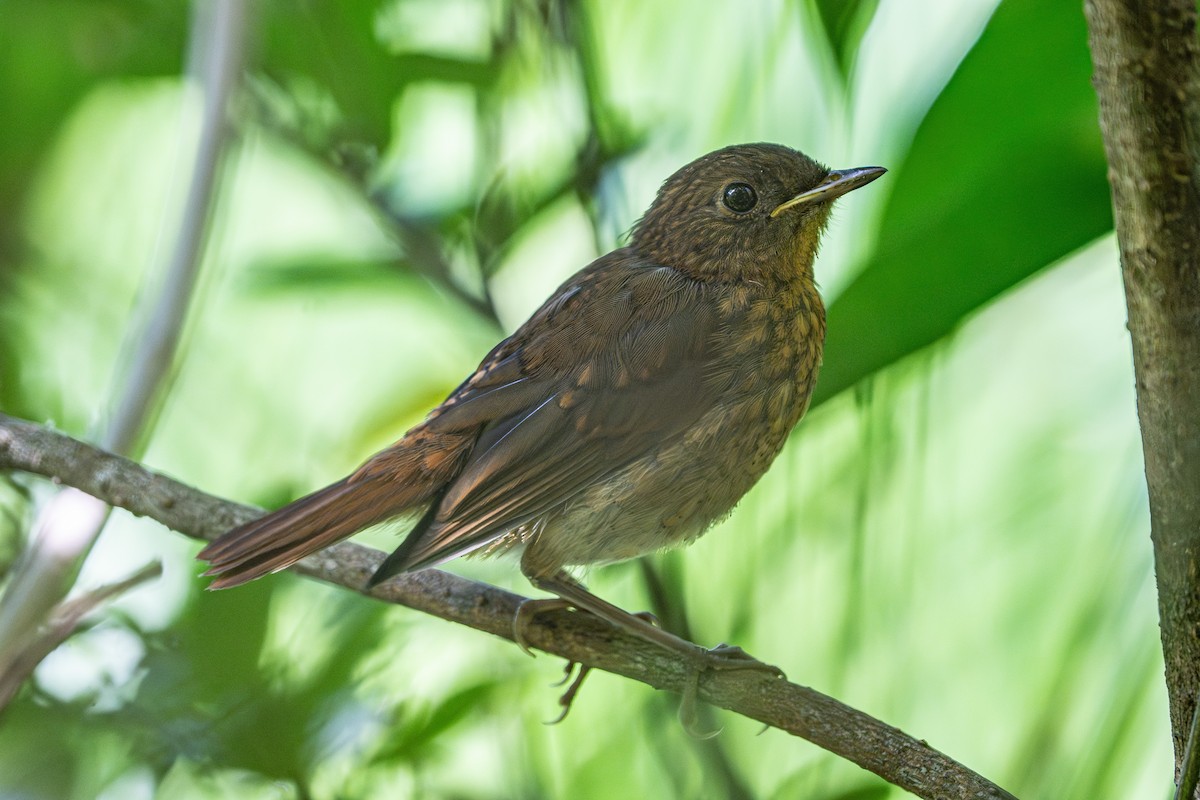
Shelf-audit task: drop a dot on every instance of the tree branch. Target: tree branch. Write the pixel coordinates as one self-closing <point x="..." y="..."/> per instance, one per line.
<point x="873" y="745"/>
<point x="1147" y="76"/>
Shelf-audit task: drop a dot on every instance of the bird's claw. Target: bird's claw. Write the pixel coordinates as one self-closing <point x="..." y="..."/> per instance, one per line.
<point x="525" y="613"/>
<point x="568" y="697"/>
<point x="647" y="617"/>
<point x="730" y="656"/>
<point x="721" y="657"/>
<point x="529" y="609"/>
<point x="689" y="708"/>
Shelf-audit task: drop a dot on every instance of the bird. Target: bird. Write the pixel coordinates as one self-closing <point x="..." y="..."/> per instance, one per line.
<point x="631" y="411"/>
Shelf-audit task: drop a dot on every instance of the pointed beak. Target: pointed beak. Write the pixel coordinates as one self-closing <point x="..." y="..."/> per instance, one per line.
<point x="837" y="183"/>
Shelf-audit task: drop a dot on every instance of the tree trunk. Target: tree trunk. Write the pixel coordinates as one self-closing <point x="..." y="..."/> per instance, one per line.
<point x="1145" y="57"/>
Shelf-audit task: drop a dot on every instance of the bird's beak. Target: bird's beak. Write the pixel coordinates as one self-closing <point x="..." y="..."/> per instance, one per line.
<point x="837" y="183"/>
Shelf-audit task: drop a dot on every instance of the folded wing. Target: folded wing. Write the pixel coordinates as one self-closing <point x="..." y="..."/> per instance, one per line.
<point x="606" y="373"/>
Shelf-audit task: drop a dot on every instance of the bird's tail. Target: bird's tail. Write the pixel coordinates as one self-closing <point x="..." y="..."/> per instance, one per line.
<point x="279" y="539"/>
<point x="395" y="482"/>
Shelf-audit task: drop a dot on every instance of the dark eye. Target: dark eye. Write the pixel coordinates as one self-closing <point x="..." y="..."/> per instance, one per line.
<point x="740" y="197"/>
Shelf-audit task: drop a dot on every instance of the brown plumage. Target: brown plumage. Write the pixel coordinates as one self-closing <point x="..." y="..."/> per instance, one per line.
<point x="631" y="411"/>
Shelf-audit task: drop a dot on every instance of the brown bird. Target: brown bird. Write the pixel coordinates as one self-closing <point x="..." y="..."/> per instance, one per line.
<point x="631" y="411"/>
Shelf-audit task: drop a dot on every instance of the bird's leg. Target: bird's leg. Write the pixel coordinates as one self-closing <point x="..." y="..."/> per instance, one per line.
<point x="568" y="697"/>
<point x="531" y="607"/>
<point x="571" y="593"/>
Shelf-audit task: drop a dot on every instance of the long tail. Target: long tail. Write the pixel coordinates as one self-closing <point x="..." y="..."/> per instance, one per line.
<point x="399" y="480"/>
<point x="279" y="539"/>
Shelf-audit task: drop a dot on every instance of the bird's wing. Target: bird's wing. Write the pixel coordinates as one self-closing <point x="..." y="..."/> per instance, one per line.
<point x="609" y="368"/>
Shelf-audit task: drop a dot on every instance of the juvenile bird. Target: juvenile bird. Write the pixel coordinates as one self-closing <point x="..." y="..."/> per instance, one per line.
<point x="631" y="411"/>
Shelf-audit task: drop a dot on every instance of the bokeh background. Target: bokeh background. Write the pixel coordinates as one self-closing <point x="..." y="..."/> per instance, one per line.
<point x="955" y="540"/>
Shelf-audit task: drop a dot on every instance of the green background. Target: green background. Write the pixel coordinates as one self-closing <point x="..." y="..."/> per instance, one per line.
<point x="955" y="540"/>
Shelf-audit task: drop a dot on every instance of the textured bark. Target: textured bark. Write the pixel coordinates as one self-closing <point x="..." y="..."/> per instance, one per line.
<point x="890" y="753"/>
<point x="1145" y="57"/>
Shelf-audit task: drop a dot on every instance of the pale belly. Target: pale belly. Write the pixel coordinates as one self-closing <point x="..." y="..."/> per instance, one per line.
<point x="674" y="495"/>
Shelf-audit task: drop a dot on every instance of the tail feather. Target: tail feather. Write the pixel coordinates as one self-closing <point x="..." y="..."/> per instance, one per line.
<point x="281" y="538"/>
<point x="400" y="480"/>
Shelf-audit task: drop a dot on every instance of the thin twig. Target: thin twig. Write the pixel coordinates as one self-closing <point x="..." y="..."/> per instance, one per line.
<point x="873" y="745"/>
<point x="64" y="622"/>
<point x="218" y="49"/>
<point x="64" y="539"/>
<point x="423" y="252"/>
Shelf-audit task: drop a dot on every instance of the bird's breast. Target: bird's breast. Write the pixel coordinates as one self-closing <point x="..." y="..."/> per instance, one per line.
<point x="759" y="369"/>
<point x="768" y="347"/>
<point x="770" y="356"/>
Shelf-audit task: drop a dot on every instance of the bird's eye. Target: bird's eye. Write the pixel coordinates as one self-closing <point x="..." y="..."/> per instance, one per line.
<point x="739" y="197"/>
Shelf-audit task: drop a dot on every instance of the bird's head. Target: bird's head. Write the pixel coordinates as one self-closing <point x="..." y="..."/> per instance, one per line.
<point x="744" y="212"/>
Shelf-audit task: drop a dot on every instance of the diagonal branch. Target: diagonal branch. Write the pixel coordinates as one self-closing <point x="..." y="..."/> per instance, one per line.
<point x="873" y="745"/>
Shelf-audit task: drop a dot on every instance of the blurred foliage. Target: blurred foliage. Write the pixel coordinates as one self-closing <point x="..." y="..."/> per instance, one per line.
<point x="844" y="23"/>
<point x="957" y="545"/>
<point x="961" y="228"/>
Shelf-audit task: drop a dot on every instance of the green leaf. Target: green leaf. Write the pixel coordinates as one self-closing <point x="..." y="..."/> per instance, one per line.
<point x="318" y="272"/>
<point x="1006" y="175"/>
<point x="336" y="47"/>
<point x="845" y="22"/>
<point x="415" y="734"/>
<point x="218" y="689"/>
<point x="51" y="55"/>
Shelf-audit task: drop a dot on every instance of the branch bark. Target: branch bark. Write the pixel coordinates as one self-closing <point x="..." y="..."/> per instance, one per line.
<point x="873" y="745"/>
<point x="1147" y="76"/>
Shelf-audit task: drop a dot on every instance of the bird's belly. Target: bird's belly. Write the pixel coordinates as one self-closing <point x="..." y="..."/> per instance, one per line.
<point x="673" y="495"/>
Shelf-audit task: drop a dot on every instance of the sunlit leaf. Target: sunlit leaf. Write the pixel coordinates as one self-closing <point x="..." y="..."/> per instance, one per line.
<point x="845" y="22"/>
<point x="415" y="734"/>
<point x="51" y="54"/>
<point x="337" y="47"/>
<point x="1005" y="176"/>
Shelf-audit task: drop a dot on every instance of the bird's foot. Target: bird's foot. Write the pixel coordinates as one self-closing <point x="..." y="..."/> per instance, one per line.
<point x="525" y="614"/>
<point x="645" y="625"/>
<point x="730" y="656"/>
<point x="721" y="657"/>
<point x="529" y="609"/>
<point x="568" y="697"/>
